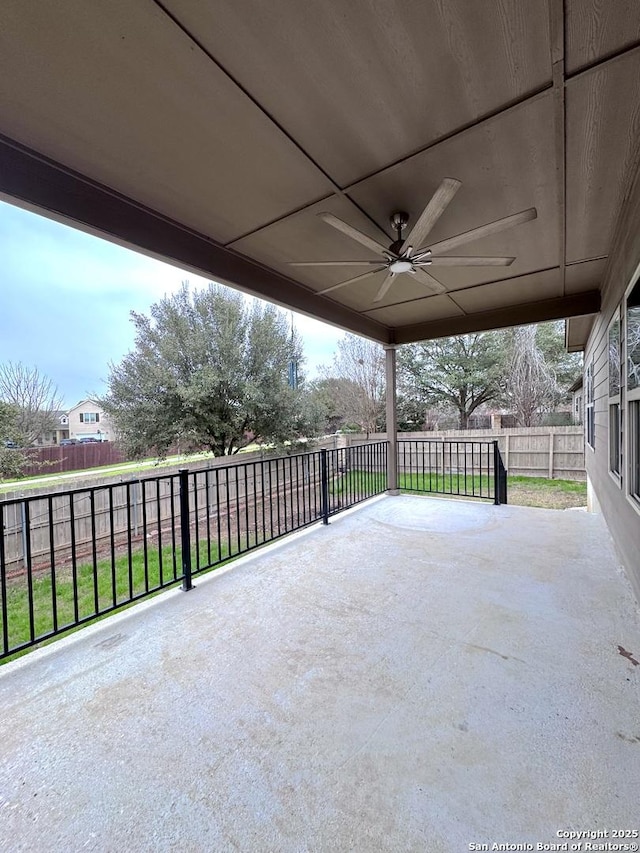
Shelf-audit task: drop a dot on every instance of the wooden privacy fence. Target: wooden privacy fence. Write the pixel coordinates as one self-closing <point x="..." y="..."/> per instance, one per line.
<point x="57" y="459"/>
<point x="551" y="452"/>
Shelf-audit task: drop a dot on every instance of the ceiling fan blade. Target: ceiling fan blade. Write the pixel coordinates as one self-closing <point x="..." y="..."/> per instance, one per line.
<point x="429" y="281"/>
<point x="485" y="230"/>
<point x="432" y="212"/>
<point x="386" y="284"/>
<point x="352" y="232"/>
<point x="348" y="281"/>
<point x="450" y="261"/>
<point x="334" y="263"/>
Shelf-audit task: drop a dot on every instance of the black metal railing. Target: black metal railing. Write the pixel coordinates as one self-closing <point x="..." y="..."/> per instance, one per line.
<point x="470" y="469"/>
<point x="69" y="557"/>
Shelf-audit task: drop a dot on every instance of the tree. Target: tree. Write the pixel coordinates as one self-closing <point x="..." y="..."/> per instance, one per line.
<point x="12" y="458"/>
<point x="357" y="379"/>
<point x="567" y="366"/>
<point x="462" y="372"/>
<point x="325" y="396"/>
<point x="207" y="370"/>
<point x="34" y="399"/>
<point x="531" y="383"/>
<point x="539" y="371"/>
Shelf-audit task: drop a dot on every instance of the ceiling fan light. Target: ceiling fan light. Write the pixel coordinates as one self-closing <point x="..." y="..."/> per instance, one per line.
<point x="400" y="266"/>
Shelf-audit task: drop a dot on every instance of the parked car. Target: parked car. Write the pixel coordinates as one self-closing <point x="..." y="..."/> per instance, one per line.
<point x="65" y="441"/>
<point x="89" y="440"/>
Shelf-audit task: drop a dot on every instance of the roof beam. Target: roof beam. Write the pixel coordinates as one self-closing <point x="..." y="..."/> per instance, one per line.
<point x="54" y="190"/>
<point x="556" y="29"/>
<point x="576" y="305"/>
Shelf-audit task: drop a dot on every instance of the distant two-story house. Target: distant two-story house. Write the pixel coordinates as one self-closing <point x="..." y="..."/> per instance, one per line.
<point x="88" y="420"/>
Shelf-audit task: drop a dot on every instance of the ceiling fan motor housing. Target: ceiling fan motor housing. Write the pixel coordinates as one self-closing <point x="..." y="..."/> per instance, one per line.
<point x="399" y="220"/>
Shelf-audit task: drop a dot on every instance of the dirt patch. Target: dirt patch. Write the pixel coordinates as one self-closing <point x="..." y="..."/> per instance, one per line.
<point x="549" y="497"/>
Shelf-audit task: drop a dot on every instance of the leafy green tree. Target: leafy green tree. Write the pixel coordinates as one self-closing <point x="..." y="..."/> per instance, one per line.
<point x="12" y="458"/>
<point x="325" y="396"/>
<point x="463" y="372"/>
<point x="207" y="370"/>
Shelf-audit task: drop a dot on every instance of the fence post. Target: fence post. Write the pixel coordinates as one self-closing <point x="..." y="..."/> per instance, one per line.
<point x="496" y="474"/>
<point x="324" y="487"/>
<point x="185" y="529"/>
<point x="551" y="450"/>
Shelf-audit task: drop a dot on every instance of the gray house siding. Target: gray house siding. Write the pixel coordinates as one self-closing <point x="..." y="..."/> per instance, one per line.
<point x="608" y="492"/>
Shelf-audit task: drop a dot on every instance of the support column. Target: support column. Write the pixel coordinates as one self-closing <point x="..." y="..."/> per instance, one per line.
<point x="392" y="421"/>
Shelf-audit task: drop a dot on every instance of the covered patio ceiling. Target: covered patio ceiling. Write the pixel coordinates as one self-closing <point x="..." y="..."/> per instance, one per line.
<point x="213" y="134"/>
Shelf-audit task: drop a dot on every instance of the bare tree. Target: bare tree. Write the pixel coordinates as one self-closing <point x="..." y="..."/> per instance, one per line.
<point x="33" y="397"/>
<point x="359" y="368"/>
<point x="531" y="385"/>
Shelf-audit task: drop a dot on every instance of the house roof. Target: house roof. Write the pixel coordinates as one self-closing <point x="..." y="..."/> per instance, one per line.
<point x="82" y="402"/>
<point x="213" y="134"/>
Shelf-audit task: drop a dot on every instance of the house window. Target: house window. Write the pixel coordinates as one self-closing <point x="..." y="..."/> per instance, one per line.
<point x="632" y="329"/>
<point x="615" y="421"/>
<point x="89" y="417"/>
<point x="589" y="413"/>
<point x="577" y="409"/>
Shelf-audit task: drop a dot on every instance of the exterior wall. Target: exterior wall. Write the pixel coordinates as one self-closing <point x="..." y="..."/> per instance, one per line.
<point x="100" y="429"/>
<point x="621" y="513"/>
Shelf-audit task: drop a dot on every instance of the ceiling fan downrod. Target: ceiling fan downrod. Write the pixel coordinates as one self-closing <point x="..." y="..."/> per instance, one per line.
<point x="402" y="259"/>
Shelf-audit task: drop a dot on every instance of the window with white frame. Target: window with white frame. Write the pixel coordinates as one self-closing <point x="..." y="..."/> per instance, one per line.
<point x="615" y="420"/>
<point x="589" y="411"/>
<point x="89" y="417"/>
<point x="632" y="371"/>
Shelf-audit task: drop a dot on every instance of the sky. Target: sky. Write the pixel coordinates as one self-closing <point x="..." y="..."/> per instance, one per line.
<point x="65" y="298"/>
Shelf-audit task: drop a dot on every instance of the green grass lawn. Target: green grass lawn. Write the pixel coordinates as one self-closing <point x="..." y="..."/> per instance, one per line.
<point x="549" y="494"/>
<point x="362" y="482"/>
<point x="524" y="491"/>
<point x="99" y="588"/>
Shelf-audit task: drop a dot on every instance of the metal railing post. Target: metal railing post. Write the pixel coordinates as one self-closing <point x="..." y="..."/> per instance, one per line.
<point x="503" y="483"/>
<point x="496" y="474"/>
<point x="324" y="487"/>
<point x="185" y="529"/>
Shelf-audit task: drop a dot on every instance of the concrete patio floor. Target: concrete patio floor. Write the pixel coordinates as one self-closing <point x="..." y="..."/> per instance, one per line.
<point x="421" y="675"/>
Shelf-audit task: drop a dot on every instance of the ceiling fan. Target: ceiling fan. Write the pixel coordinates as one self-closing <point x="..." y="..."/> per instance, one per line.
<point x="411" y="255"/>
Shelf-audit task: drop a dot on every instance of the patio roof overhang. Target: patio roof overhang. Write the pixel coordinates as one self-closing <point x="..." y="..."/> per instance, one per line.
<point x="212" y="135"/>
